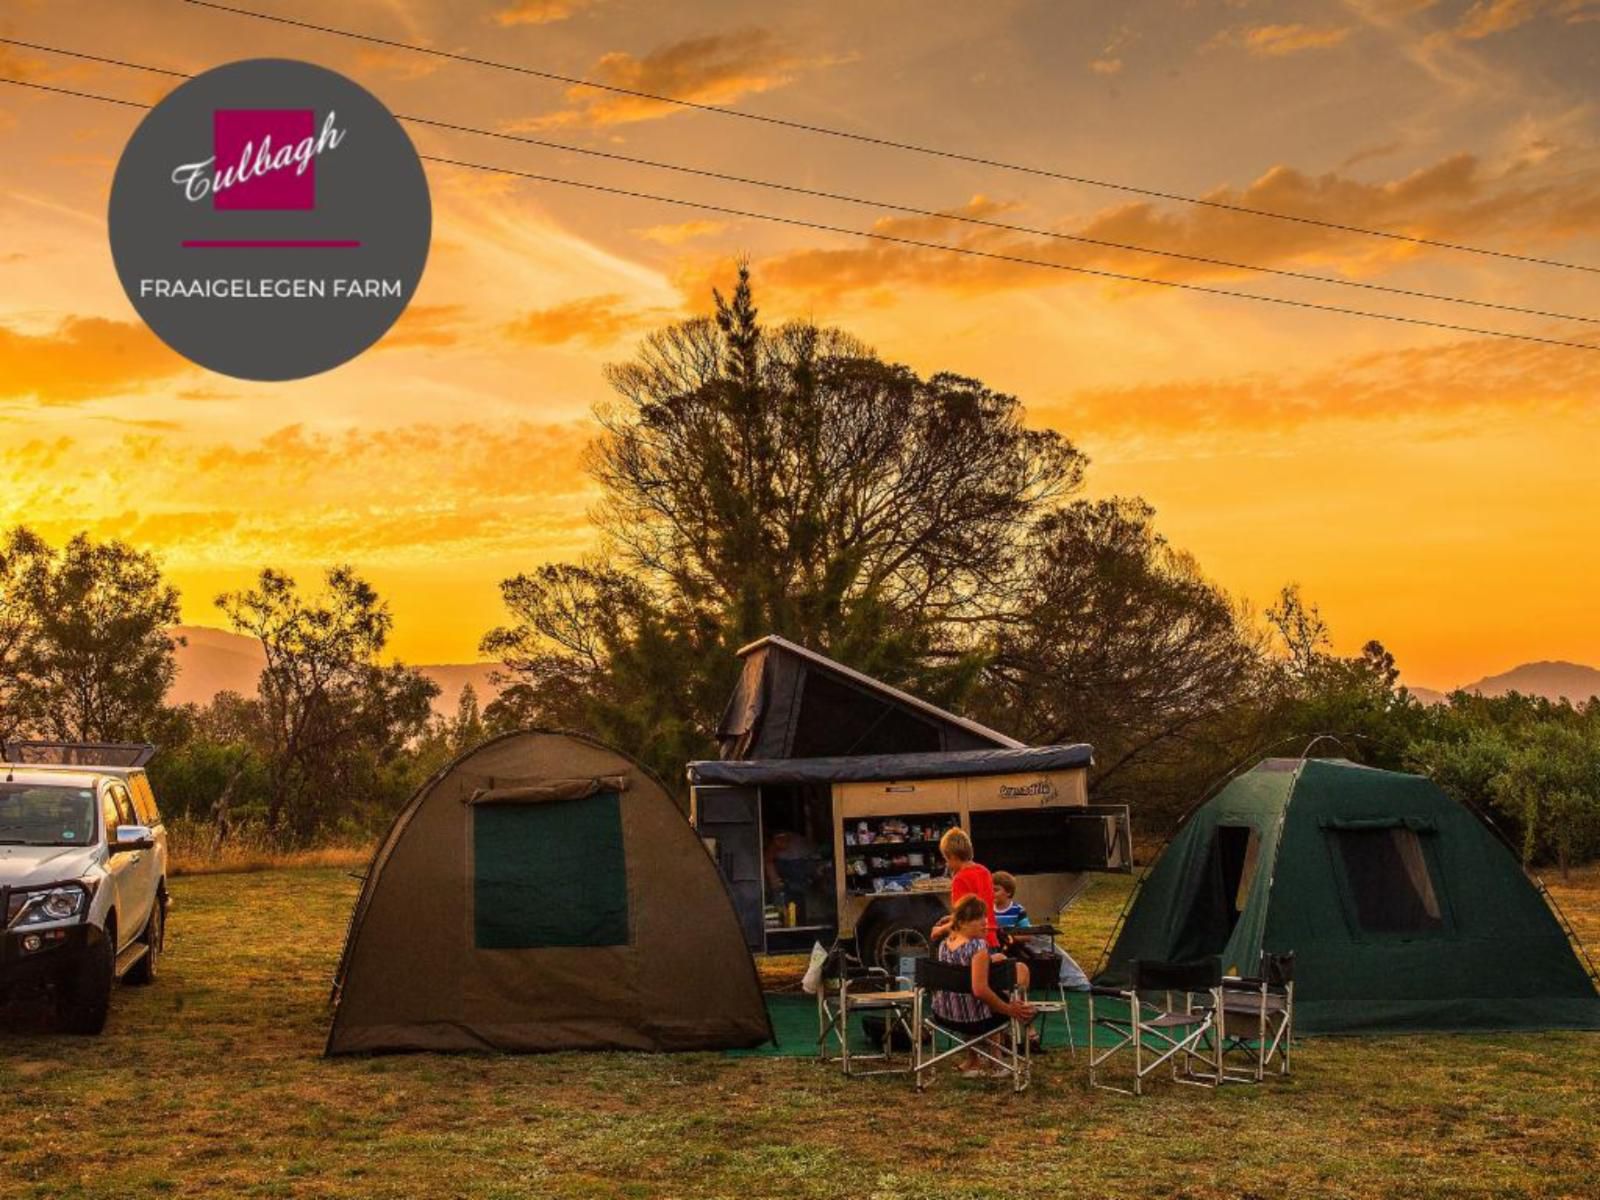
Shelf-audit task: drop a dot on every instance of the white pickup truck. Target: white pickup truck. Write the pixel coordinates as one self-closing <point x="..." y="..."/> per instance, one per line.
<point x="83" y="876"/>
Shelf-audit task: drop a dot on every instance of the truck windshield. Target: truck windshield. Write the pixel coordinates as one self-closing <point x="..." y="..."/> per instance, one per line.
<point x="34" y="814"/>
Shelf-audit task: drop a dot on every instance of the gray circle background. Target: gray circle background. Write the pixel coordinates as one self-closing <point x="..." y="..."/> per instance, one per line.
<point x="370" y="188"/>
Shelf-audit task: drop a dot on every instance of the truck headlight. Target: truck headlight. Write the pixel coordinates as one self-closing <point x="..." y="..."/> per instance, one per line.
<point x="58" y="904"/>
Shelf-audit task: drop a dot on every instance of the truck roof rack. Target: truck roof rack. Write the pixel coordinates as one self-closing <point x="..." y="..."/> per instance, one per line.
<point x="77" y="754"/>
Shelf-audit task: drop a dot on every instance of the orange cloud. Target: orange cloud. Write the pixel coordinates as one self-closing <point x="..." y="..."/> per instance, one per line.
<point x="83" y="358"/>
<point x="418" y="493"/>
<point x="398" y="64"/>
<point x="676" y="235"/>
<point x="594" y="320"/>
<point x="1451" y="200"/>
<point x="715" y="69"/>
<point x="1486" y="18"/>
<point x="1451" y="386"/>
<point x="432" y="325"/>
<point x="539" y="12"/>
<point x="1276" y="41"/>
<point x="17" y="65"/>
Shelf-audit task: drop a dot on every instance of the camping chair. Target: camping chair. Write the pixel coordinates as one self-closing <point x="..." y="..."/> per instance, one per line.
<point x="1006" y="1046"/>
<point x="1045" y="976"/>
<point x="849" y="987"/>
<point x="1179" y="1035"/>
<point x="1258" y="1016"/>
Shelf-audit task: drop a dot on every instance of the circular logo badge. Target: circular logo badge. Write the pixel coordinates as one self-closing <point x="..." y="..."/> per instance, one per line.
<point x="270" y="219"/>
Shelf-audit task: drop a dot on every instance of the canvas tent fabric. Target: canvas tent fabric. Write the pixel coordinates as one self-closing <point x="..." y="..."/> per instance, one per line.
<point x="543" y="892"/>
<point x="889" y="767"/>
<point x="791" y="702"/>
<point x="1404" y="910"/>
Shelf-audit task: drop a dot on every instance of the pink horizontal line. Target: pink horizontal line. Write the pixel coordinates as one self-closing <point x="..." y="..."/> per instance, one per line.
<point x="262" y="244"/>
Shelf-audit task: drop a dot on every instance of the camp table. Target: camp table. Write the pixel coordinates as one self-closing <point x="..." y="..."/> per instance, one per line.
<point x="833" y="1019"/>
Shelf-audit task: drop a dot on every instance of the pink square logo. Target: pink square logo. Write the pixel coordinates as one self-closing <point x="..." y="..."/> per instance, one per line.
<point x="246" y="141"/>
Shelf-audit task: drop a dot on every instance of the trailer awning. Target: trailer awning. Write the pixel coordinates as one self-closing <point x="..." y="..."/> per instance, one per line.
<point x="889" y="767"/>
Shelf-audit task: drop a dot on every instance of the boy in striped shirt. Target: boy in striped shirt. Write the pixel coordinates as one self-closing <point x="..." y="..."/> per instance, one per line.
<point x="1009" y="915"/>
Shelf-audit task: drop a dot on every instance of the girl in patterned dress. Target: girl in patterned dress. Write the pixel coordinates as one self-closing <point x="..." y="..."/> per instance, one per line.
<point x="985" y="1009"/>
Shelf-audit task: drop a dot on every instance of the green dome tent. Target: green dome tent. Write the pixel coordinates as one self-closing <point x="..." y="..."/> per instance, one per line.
<point x="1404" y="910"/>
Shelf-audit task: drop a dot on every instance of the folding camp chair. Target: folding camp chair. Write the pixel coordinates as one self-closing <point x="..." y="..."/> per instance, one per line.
<point x="849" y="988"/>
<point x="1179" y="1035"/>
<point x="1258" y="1017"/>
<point x="1006" y="1045"/>
<point x="1045" y="976"/>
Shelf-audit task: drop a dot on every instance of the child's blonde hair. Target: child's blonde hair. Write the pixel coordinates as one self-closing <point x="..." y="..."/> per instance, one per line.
<point x="1006" y="880"/>
<point x="956" y="844"/>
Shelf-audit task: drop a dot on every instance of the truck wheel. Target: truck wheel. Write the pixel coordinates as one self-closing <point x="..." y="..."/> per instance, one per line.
<point x="85" y="997"/>
<point x="885" y="943"/>
<point x="155" y="932"/>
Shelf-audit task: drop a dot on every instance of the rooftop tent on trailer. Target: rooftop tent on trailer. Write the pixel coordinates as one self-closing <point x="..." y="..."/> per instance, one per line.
<point x="543" y="892"/>
<point x="1404" y="910"/>
<point x="791" y="702"/>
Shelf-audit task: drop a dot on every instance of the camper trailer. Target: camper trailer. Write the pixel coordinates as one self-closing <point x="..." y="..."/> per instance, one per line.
<point x="825" y="810"/>
<point x="818" y="847"/>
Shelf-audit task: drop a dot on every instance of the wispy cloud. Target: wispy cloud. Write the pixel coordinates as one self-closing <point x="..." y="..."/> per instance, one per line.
<point x="539" y="12"/>
<point x="1456" y="385"/>
<point x="1489" y="17"/>
<point x="1454" y="199"/>
<point x="425" y="325"/>
<point x="686" y="231"/>
<point x="83" y="358"/>
<point x="1278" y="41"/>
<point x="715" y="69"/>
<point x="593" y="320"/>
<point x="415" y="493"/>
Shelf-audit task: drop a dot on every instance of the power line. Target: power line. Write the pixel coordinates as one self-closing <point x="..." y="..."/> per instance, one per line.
<point x="966" y="251"/>
<point x="890" y="143"/>
<point x="819" y="193"/>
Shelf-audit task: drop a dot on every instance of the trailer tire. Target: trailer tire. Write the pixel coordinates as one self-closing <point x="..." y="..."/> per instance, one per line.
<point x="901" y="930"/>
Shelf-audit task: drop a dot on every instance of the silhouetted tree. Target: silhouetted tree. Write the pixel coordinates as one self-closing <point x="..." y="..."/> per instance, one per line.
<point x="1124" y="644"/>
<point x="84" y="650"/>
<point x="336" y="720"/>
<point x="761" y="480"/>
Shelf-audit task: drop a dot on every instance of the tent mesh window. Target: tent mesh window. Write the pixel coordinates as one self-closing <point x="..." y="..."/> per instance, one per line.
<point x="1391" y="883"/>
<point x="836" y="718"/>
<point x="549" y="874"/>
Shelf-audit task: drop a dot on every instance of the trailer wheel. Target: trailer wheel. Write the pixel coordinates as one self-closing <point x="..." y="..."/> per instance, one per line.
<point x="886" y="941"/>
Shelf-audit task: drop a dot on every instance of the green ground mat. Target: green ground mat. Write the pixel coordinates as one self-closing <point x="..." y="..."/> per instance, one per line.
<point x="794" y="1020"/>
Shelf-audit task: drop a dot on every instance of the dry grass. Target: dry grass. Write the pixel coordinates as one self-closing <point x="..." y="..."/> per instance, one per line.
<point x="211" y="1084"/>
<point x="192" y="850"/>
<point x="1578" y="897"/>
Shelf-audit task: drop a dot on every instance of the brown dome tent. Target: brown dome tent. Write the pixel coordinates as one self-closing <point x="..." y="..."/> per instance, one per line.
<point x="544" y="892"/>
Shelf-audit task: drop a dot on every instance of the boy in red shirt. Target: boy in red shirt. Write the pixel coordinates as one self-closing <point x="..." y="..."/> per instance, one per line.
<point x="969" y="878"/>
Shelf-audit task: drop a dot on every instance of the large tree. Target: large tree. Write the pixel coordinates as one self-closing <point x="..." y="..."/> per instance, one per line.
<point x="1124" y="644"/>
<point x="1355" y="702"/>
<point x="335" y="718"/>
<point x="779" y="480"/>
<point x="24" y="560"/>
<point x="84" y="650"/>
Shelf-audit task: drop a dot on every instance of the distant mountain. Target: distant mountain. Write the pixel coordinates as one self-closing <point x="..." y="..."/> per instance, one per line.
<point x="1552" y="680"/>
<point x="215" y="660"/>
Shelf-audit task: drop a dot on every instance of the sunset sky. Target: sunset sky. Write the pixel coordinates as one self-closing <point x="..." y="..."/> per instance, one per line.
<point x="1433" y="489"/>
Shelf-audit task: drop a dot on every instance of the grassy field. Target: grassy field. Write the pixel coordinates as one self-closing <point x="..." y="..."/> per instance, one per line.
<point x="210" y="1083"/>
